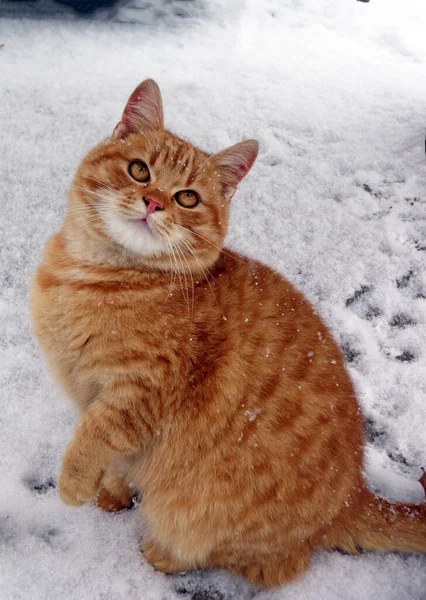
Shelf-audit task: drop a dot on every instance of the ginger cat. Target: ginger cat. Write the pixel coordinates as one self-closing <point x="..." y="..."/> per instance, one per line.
<point x="204" y="380"/>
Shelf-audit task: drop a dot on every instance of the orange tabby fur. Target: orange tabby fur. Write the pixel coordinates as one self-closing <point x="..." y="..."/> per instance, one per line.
<point x="204" y="379"/>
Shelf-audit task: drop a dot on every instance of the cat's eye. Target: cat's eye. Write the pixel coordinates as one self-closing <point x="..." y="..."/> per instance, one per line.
<point x="187" y="198"/>
<point x="139" y="171"/>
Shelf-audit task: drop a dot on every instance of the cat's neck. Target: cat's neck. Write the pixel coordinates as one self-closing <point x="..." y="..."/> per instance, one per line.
<point x="82" y="246"/>
<point x="66" y="262"/>
<point x="90" y="247"/>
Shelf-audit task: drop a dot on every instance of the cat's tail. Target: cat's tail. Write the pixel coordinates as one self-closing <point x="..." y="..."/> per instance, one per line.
<point x="372" y="523"/>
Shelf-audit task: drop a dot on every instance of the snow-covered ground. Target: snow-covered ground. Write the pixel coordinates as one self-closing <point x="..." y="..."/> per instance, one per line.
<point x="336" y="93"/>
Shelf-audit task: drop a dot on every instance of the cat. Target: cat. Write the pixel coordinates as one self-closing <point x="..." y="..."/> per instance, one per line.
<point x="205" y="381"/>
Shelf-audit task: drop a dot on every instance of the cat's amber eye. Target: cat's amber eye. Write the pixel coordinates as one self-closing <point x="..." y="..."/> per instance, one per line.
<point x="139" y="171"/>
<point x="187" y="198"/>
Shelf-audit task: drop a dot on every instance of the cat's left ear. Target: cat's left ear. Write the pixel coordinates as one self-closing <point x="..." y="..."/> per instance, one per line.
<point x="143" y="112"/>
<point x="234" y="163"/>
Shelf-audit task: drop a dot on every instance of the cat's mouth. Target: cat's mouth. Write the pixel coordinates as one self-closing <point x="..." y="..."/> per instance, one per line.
<point x="137" y="233"/>
<point x="142" y="224"/>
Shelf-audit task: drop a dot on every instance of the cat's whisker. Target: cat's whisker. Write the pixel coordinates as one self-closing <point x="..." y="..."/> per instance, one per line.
<point x="162" y="231"/>
<point x="86" y="219"/>
<point x="172" y="265"/>
<point x="169" y="254"/>
<point x="102" y="183"/>
<point x="192" y="278"/>
<point x="96" y="194"/>
<point x="202" y="266"/>
<point x="196" y="256"/>
<point x="179" y="256"/>
<point x="209" y="242"/>
<point x="170" y="245"/>
<point x="86" y="209"/>
<point x="92" y="208"/>
<point x="177" y="268"/>
<point x="176" y="256"/>
<point x="166" y="239"/>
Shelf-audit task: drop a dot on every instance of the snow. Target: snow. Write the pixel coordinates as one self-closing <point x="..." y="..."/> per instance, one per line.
<point x="336" y="94"/>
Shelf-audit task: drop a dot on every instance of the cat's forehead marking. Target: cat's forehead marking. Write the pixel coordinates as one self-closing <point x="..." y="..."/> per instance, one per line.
<point x="180" y="158"/>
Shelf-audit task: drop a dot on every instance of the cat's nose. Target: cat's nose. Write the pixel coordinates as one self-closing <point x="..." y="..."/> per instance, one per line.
<point x="152" y="203"/>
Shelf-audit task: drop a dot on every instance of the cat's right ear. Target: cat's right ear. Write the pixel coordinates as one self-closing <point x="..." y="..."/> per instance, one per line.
<point x="143" y="112"/>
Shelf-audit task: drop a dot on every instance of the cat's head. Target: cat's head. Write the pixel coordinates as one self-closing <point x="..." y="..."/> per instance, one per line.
<point x="154" y="195"/>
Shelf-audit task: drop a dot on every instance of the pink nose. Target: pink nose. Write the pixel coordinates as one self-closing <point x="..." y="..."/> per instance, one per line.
<point x="152" y="204"/>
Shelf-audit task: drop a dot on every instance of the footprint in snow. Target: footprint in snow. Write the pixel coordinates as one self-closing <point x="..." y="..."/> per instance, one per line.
<point x="38" y="485"/>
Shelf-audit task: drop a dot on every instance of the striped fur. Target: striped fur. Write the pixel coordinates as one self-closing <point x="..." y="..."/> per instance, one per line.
<point x="204" y="380"/>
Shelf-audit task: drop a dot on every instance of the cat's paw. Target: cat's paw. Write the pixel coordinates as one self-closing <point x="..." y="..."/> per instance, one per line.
<point x="111" y="503"/>
<point x="159" y="559"/>
<point x="77" y="483"/>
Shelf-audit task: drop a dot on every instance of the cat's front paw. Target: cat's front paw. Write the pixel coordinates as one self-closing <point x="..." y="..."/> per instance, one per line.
<point x="77" y="482"/>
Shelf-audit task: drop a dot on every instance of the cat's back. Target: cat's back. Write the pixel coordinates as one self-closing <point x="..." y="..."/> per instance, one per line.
<point x="281" y="355"/>
<point x="270" y="322"/>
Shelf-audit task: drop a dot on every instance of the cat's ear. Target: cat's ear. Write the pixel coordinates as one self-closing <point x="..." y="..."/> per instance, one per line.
<point x="234" y="163"/>
<point x="143" y="112"/>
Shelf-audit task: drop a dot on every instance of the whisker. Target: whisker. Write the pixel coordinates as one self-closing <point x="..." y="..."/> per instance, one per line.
<point x="195" y="255"/>
<point x="102" y="183"/>
<point x="86" y="208"/>
<point x="172" y="269"/>
<point x="92" y="219"/>
<point x="99" y="213"/>
<point x="179" y="254"/>
<point x="203" y="267"/>
<point x="97" y="194"/>
<point x="209" y="242"/>
<point x="175" y="265"/>
<point x="192" y="278"/>
<point x="177" y="270"/>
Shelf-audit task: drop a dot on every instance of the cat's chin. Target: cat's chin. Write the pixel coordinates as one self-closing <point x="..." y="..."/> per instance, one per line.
<point x="135" y="235"/>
